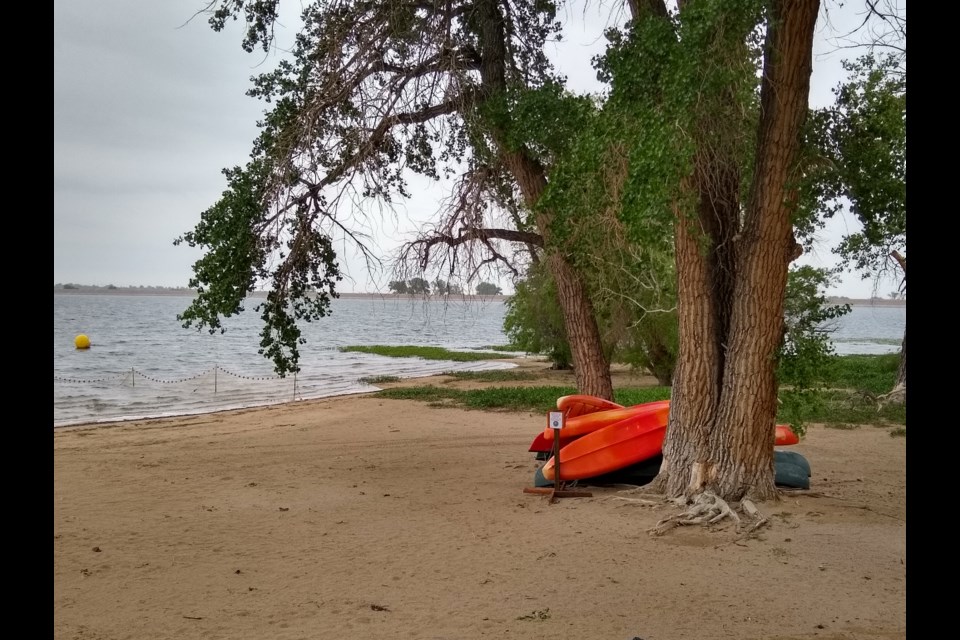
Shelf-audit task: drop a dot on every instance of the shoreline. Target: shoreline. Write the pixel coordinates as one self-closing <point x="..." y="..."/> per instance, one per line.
<point x="135" y="291"/>
<point x="528" y="362"/>
<point x="162" y="291"/>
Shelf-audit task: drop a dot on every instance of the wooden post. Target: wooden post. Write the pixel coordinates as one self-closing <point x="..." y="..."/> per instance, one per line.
<point x="556" y="421"/>
<point x="556" y="459"/>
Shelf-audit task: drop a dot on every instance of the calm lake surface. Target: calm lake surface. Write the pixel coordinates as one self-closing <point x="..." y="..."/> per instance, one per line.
<point x="142" y="363"/>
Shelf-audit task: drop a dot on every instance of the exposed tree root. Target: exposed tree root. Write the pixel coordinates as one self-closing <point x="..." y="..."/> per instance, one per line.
<point x="758" y="518"/>
<point x="896" y="396"/>
<point x="704" y="509"/>
<point x="707" y="508"/>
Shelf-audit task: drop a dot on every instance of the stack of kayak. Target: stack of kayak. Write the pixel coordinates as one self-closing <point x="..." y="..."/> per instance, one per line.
<point x="606" y="442"/>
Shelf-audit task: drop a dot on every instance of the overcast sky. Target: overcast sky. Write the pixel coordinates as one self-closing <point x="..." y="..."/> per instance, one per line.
<point x="150" y="105"/>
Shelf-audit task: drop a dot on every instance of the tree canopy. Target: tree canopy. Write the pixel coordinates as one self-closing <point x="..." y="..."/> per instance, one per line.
<point x="859" y="163"/>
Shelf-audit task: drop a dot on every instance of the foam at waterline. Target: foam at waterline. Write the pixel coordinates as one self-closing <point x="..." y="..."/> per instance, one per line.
<point x="213" y="392"/>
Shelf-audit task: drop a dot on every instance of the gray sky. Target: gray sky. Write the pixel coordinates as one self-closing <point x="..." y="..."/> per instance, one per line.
<point x="149" y="106"/>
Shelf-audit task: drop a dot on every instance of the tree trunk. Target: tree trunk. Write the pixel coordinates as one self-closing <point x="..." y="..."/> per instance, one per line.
<point x="899" y="391"/>
<point x="590" y="366"/>
<point x="696" y="379"/>
<point x="591" y="370"/>
<point x="720" y="435"/>
<point x="902" y="369"/>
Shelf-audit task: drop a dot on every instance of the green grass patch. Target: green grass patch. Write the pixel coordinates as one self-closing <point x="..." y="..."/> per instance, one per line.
<point x="427" y="353"/>
<point x="499" y="375"/>
<point x="505" y="347"/>
<point x="873" y="373"/>
<point x="899" y="432"/>
<point x="896" y="413"/>
<point x="639" y="395"/>
<point x="851" y="402"/>
<point x="839" y="406"/>
<point x="848" y="393"/>
<point x="532" y="399"/>
<point x="428" y="393"/>
<point x="504" y="398"/>
<point x="379" y="379"/>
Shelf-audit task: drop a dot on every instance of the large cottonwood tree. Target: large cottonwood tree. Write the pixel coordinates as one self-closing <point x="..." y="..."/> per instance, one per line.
<point x="718" y="139"/>
<point x="372" y="92"/>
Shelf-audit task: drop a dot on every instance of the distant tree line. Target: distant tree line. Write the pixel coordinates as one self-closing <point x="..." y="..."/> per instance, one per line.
<point x="419" y="286"/>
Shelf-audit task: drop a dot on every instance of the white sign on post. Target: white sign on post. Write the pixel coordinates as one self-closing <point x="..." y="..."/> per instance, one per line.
<point x="555" y="419"/>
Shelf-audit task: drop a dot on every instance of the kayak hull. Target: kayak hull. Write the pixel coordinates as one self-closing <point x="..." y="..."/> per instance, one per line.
<point x="581" y="404"/>
<point x="791" y="470"/>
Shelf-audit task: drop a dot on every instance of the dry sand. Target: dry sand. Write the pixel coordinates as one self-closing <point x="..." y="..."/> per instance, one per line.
<point x="361" y="517"/>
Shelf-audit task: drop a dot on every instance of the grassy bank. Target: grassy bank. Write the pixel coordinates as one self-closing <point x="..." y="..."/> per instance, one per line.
<point x="847" y="397"/>
<point x="427" y="353"/>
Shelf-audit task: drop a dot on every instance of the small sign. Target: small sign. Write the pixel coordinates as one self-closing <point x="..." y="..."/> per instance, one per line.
<point x="555" y="419"/>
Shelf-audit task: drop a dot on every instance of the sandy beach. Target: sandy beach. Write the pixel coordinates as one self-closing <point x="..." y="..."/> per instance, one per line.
<point x="360" y="517"/>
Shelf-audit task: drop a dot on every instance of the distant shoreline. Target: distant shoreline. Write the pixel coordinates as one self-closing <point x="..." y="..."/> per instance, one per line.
<point x="163" y="291"/>
<point x="867" y="302"/>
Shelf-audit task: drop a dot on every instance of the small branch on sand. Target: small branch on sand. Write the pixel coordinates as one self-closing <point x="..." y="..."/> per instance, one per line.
<point x="758" y="518"/>
<point x="636" y="500"/>
<point x="643" y="490"/>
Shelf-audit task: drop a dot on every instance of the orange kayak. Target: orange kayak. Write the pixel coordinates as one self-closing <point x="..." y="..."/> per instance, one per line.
<point x="590" y="422"/>
<point x="784" y="437"/>
<point x="615" y="446"/>
<point x="620" y="445"/>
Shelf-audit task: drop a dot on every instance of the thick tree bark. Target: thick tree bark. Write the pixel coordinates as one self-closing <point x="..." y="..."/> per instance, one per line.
<point x="591" y="369"/>
<point x="902" y="369"/>
<point x="721" y="431"/>
<point x="899" y="390"/>
<point x="696" y="379"/>
<point x="742" y="445"/>
<point x="590" y="365"/>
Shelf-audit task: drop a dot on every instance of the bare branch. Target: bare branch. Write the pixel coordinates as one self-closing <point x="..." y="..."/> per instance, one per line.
<point x="424" y="245"/>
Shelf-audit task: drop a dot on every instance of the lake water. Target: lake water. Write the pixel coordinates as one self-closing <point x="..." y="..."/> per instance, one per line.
<point x="142" y="363"/>
<point x="869" y="330"/>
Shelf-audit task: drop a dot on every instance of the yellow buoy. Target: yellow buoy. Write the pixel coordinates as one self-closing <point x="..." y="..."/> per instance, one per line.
<point x="82" y="342"/>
